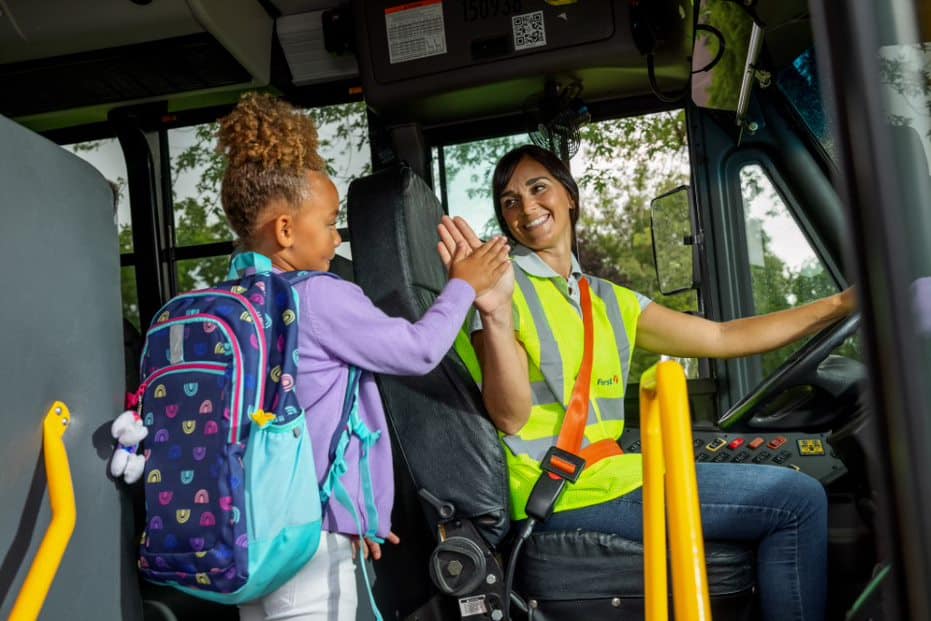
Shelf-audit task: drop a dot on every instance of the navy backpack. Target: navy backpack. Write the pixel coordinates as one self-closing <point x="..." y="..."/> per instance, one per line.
<point x="233" y="509"/>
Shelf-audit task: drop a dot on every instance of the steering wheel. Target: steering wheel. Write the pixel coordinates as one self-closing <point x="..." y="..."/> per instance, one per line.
<point x="796" y="367"/>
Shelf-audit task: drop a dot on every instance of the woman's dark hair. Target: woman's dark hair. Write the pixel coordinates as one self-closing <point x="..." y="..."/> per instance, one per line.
<point x="555" y="166"/>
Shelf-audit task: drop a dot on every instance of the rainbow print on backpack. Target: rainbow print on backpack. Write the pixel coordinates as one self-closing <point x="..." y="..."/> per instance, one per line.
<point x="232" y="504"/>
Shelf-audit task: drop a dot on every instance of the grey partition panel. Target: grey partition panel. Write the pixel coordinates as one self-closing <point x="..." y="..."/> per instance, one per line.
<point x="61" y="339"/>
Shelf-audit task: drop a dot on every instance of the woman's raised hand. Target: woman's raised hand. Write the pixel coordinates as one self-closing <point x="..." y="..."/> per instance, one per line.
<point x="482" y="267"/>
<point x="457" y="234"/>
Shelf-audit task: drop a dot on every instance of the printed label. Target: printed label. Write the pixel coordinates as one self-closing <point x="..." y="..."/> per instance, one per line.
<point x="415" y="30"/>
<point x="474" y="605"/>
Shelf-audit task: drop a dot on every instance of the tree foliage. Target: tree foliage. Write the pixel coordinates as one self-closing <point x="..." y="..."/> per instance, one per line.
<point x="775" y="284"/>
<point x="198" y="215"/>
<point x="734" y="24"/>
<point x="905" y="70"/>
<point x="623" y="164"/>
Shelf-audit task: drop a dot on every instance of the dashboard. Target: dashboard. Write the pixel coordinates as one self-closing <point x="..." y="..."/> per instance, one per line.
<point x="807" y="452"/>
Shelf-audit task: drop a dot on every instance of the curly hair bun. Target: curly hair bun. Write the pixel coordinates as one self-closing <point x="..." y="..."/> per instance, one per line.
<point x="270" y="134"/>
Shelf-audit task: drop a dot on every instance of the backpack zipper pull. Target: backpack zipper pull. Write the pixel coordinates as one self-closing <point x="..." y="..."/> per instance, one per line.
<point x="134" y="399"/>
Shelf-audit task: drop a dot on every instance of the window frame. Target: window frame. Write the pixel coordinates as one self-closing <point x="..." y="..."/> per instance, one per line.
<point x="157" y="227"/>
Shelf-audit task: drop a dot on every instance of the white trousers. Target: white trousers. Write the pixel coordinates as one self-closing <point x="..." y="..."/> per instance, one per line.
<point x="324" y="590"/>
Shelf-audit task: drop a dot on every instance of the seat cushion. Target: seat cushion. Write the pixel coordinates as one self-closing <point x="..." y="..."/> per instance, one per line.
<point x="587" y="565"/>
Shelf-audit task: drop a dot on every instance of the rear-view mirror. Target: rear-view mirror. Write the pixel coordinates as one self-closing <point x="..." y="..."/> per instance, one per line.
<point x="719" y="57"/>
<point x="673" y="240"/>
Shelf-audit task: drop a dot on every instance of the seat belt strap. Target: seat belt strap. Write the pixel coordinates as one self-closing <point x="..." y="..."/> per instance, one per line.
<point x="573" y="425"/>
<point x="572" y="431"/>
<point x="564" y="461"/>
<point x="593" y="453"/>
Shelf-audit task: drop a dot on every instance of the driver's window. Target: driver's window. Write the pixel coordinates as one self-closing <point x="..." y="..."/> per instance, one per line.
<point x="784" y="269"/>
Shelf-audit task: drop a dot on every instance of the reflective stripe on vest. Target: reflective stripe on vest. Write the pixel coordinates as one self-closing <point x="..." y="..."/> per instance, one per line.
<point x="549" y="337"/>
<point x="605" y="291"/>
<point x="551" y="364"/>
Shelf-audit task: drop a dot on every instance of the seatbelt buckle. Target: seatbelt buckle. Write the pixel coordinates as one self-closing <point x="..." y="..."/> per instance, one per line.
<point x="563" y="464"/>
<point x="559" y="467"/>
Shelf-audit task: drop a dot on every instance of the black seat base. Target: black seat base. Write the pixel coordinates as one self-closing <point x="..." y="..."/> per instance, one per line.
<point x="587" y="575"/>
<point x="737" y="607"/>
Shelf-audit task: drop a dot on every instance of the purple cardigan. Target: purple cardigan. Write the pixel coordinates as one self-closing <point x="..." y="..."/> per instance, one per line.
<point x="339" y="326"/>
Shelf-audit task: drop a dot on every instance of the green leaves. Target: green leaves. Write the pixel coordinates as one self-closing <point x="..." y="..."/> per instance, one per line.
<point x="199" y="217"/>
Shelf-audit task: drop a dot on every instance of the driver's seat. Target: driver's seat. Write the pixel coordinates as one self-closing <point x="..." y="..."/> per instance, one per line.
<point x="450" y="469"/>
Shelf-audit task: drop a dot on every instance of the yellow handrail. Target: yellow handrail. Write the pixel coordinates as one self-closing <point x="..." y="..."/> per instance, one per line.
<point x="654" y="507"/>
<point x="667" y="443"/>
<point x="32" y="596"/>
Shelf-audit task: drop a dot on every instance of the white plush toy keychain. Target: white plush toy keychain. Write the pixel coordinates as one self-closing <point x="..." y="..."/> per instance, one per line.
<point x="128" y="431"/>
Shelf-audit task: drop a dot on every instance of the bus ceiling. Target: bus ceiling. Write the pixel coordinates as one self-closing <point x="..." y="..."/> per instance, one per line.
<point x="432" y="62"/>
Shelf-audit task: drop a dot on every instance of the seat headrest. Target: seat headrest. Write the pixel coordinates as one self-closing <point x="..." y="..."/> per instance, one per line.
<point x="393" y="214"/>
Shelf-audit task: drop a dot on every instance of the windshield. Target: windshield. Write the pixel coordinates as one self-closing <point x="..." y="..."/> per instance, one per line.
<point x="800" y="84"/>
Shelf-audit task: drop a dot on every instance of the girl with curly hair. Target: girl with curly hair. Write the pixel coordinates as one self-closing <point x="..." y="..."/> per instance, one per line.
<point x="281" y="204"/>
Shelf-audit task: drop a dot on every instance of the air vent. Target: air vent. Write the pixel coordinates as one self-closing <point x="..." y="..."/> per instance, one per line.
<point x="119" y="74"/>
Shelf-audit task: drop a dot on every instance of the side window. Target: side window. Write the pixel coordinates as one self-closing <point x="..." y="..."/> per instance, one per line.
<point x="107" y="157"/>
<point x="197" y="172"/>
<point x="799" y="82"/>
<point x="621" y="165"/>
<point x="462" y="178"/>
<point x="344" y="144"/>
<point x="201" y="235"/>
<point x="785" y="271"/>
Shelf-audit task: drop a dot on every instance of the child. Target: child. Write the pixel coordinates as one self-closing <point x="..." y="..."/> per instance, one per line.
<point x="281" y="204"/>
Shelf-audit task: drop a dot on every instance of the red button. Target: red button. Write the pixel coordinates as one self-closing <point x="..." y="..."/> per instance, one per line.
<point x="736" y="444"/>
<point x="776" y="442"/>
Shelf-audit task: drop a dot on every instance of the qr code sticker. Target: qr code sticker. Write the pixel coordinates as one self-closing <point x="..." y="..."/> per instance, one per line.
<point x="528" y="30"/>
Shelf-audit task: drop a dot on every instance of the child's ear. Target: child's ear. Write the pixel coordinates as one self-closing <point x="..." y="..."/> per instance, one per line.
<point x="284" y="230"/>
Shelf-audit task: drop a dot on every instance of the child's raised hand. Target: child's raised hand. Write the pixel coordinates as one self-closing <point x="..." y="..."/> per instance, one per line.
<point x="455" y="231"/>
<point x="482" y="267"/>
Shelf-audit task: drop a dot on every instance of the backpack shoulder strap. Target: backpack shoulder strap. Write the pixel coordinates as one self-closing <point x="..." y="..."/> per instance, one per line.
<point x="247" y="263"/>
<point x="350" y="424"/>
<point x="295" y="277"/>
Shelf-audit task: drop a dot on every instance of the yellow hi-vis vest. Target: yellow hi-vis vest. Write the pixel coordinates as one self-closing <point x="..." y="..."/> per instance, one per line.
<point x="549" y="326"/>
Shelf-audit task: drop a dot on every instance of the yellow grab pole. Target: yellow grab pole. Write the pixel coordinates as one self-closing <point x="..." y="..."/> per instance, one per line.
<point x="31" y="597"/>
<point x="656" y="590"/>
<point x="689" y="577"/>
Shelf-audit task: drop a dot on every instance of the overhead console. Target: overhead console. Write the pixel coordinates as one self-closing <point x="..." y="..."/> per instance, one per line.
<point x="61" y="68"/>
<point x="434" y="60"/>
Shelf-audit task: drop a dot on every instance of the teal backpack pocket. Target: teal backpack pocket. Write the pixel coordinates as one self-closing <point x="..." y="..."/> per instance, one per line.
<point x="284" y="510"/>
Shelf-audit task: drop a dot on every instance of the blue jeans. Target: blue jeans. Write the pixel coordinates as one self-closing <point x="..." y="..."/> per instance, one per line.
<point x="782" y="509"/>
